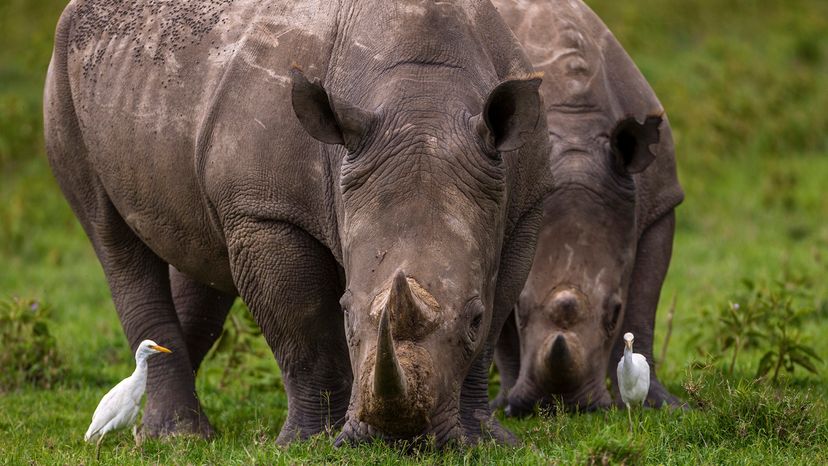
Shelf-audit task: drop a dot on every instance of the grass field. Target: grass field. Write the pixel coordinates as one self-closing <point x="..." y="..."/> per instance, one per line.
<point x="746" y="85"/>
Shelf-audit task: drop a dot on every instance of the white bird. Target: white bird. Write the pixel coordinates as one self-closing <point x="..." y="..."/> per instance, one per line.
<point x="633" y="376"/>
<point x="120" y="406"/>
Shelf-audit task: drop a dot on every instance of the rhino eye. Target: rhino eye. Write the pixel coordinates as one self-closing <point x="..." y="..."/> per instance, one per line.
<point x="476" y="311"/>
<point x="474" y="327"/>
<point x="611" y="321"/>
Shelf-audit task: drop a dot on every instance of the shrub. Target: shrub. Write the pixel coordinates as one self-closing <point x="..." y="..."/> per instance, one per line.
<point x="768" y="318"/>
<point x="29" y="353"/>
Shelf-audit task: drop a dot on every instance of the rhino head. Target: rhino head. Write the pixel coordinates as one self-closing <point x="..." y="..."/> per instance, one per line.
<point x="570" y="310"/>
<point x="423" y="198"/>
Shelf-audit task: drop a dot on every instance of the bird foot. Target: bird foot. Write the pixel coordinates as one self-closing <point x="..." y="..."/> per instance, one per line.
<point x="139" y="440"/>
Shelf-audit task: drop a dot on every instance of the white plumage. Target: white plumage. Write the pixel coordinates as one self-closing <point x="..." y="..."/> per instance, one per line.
<point x="633" y="376"/>
<point x="120" y="406"/>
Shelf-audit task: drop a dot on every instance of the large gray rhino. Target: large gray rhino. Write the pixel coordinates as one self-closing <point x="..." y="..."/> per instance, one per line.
<point x="607" y="233"/>
<point x="387" y="211"/>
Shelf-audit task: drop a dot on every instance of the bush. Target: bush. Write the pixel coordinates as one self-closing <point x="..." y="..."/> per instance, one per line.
<point x="29" y="353"/>
<point x="769" y="318"/>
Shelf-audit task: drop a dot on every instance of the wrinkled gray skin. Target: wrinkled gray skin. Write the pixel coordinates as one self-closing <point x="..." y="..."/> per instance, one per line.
<point x="406" y="181"/>
<point x="607" y="233"/>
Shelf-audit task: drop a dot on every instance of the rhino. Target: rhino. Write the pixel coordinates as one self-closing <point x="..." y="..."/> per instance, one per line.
<point x="606" y="240"/>
<point x="367" y="176"/>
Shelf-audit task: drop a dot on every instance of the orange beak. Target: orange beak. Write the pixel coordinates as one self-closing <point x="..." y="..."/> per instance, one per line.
<point x="160" y="349"/>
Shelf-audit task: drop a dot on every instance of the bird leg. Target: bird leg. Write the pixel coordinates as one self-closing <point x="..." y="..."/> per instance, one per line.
<point x="98" y="447"/>
<point x="136" y="436"/>
<point x="629" y="416"/>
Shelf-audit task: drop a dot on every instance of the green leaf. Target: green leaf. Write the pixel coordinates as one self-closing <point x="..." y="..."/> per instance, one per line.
<point x="765" y="364"/>
<point x="755" y="335"/>
<point x="789" y="364"/>
<point x="804" y="362"/>
<point x="809" y="351"/>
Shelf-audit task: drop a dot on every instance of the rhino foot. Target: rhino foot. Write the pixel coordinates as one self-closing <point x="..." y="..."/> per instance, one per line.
<point x="485" y="427"/>
<point x="160" y="424"/>
<point x="499" y="402"/>
<point x="658" y="397"/>
<point x="292" y="432"/>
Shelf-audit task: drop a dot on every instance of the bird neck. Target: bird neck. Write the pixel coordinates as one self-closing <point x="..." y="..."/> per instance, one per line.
<point x="140" y="372"/>
<point x="628" y="357"/>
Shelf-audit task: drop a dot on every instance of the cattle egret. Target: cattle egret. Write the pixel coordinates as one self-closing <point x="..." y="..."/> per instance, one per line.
<point x="119" y="408"/>
<point x="633" y="376"/>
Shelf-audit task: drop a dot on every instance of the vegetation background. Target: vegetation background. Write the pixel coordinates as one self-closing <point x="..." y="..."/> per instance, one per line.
<point x="745" y="83"/>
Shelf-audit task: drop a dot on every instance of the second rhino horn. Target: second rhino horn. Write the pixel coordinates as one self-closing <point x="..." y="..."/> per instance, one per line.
<point x="411" y="317"/>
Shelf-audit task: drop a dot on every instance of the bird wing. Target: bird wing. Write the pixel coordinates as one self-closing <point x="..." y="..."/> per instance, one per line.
<point x="642" y="382"/>
<point x="124" y="417"/>
<point x="115" y="400"/>
<point x="634" y="381"/>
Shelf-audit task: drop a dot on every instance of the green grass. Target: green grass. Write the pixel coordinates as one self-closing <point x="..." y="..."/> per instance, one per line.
<point x="744" y="84"/>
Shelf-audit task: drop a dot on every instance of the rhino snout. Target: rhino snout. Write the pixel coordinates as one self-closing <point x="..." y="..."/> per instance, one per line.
<point x="397" y="391"/>
<point x="560" y="363"/>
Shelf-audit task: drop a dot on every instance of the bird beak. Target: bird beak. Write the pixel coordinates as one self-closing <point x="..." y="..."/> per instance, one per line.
<point x="628" y="344"/>
<point x="160" y="348"/>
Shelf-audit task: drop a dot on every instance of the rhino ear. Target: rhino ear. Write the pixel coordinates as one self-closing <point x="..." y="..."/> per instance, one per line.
<point x="326" y="119"/>
<point x="511" y="114"/>
<point x="631" y="142"/>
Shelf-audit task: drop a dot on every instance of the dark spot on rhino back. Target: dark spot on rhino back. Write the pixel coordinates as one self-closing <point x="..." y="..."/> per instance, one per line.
<point x="153" y="27"/>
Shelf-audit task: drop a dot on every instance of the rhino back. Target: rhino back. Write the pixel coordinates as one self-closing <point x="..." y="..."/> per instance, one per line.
<point x="587" y="70"/>
<point x="154" y="81"/>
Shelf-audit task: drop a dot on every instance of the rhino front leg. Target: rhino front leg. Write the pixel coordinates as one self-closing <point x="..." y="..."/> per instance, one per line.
<point x="292" y="286"/>
<point x="507" y="359"/>
<point x="479" y="422"/>
<point x="651" y="263"/>
<point x="476" y="414"/>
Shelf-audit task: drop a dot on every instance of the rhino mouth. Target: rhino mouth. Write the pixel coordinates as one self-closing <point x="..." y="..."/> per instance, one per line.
<point x="524" y="400"/>
<point x="553" y="404"/>
<point x="443" y="430"/>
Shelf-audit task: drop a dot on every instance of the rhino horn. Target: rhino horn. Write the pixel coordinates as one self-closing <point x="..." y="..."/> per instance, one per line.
<point x="559" y="355"/>
<point x="412" y="319"/>
<point x="389" y="378"/>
